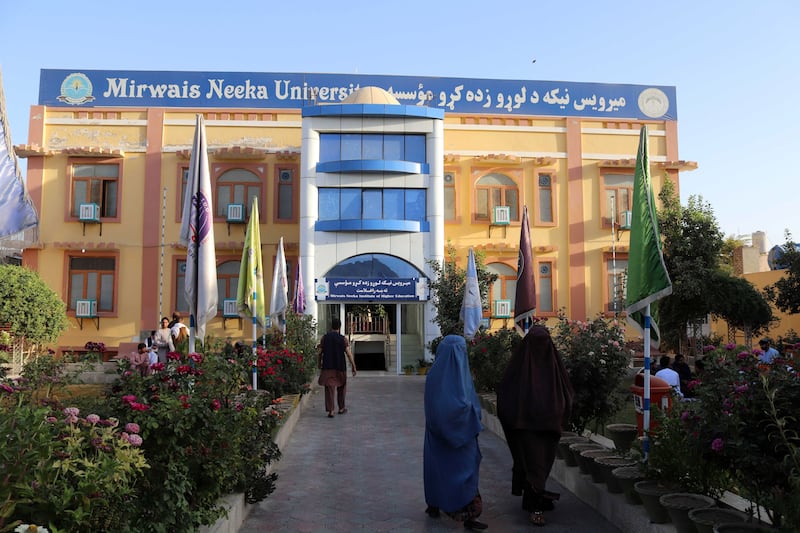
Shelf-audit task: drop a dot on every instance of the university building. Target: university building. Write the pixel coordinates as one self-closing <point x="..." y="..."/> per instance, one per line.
<point x="368" y="180"/>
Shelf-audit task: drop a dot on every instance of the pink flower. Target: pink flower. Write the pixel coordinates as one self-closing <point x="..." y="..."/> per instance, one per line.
<point x="72" y="411"/>
<point x="730" y="346"/>
<point x="215" y="405"/>
<point x="128" y="398"/>
<point x="6" y="388"/>
<point x="183" y="369"/>
<point x="174" y="356"/>
<point x="136" y="406"/>
<point x="135" y="440"/>
<point x="196" y="357"/>
<point x="93" y="419"/>
<point x="157" y="367"/>
<point x="743" y="355"/>
<point x="132" y="427"/>
<point x="741" y="388"/>
<point x="709" y="348"/>
<point x="685" y="416"/>
<point x="51" y="419"/>
<point x="71" y="419"/>
<point x="717" y="444"/>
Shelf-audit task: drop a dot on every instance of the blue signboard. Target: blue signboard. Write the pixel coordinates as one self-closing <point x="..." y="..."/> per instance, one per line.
<point x="371" y="289"/>
<point x="110" y="88"/>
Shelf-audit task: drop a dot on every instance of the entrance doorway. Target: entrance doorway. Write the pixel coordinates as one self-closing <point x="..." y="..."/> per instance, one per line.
<point x="372" y="330"/>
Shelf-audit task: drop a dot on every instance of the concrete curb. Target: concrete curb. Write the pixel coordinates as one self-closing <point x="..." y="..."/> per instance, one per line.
<point x="234" y="503"/>
<point x="628" y="518"/>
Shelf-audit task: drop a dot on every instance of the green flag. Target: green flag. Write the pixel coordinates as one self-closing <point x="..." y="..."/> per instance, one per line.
<point x="648" y="280"/>
<point x="250" y="293"/>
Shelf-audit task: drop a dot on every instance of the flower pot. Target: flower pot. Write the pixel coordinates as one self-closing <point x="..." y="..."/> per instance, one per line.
<point x="706" y="518"/>
<point x="649" y="492"/>
<point x="590" y="457"/>
<point x="679" y="504"/>
<point x="627" y="476"/>
<point x="563" y="449"/>
<point x="623" y="435"/>
<point x="575" y="450"/>
<point x="606" y="465"/>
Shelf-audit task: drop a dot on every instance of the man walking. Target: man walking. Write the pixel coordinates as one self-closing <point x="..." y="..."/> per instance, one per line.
<point x="333" y="348"/>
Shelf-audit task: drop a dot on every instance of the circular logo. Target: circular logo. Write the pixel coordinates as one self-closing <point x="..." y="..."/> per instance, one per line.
<point x="653" y="102"/>
<point x="76" y="89"/>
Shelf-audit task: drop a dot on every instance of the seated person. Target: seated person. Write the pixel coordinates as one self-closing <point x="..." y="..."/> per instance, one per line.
<point x="668" y="374"/>
<point x="139" y="360"/>
<point x="768" y="353"/>
<point x="680" y="366"/>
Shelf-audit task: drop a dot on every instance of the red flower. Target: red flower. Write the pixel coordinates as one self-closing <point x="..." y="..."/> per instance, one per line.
<point x="215" y="405"/>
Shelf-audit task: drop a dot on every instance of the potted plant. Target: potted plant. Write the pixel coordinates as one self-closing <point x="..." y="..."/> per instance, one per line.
<point x="422" y="366"/>
<point x="408" y="369"/>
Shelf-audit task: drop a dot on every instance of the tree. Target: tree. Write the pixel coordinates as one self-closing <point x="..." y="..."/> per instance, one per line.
<point x="447" y="289"/>
<point x="785" y="293"/>
<point x="729" y="246"/>
<point x="702" y="283"/>
<point x="692" y="247"/>
<point x="29" y="307"/>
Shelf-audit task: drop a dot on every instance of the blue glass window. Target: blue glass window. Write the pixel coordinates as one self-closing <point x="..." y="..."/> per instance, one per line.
<point x="372" y="147"/>
<point x="373" y="204"/>
<point x="415" y="204"/>
<point x="351" y="203"/>
<point x="393" y="204"/>
<point x="393" y="147"/>
<point x="351" y="146"/>
<point x="330" y="147"/>
<point x="415" y="148"/>
<point x="329" y="204"/>
<point x="374" y="266"/>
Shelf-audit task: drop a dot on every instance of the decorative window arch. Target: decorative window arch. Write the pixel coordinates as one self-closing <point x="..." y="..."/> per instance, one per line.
<point x="236" y="186"/>
<point x="494" y="190"/>
<point x="505" y="286"/>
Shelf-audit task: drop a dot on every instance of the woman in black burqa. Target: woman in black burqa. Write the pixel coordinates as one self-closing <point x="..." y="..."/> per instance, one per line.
<point x="534" y="402"/>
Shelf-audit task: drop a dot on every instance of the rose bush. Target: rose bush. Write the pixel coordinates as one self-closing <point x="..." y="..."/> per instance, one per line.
<point x="741" y="433"/>
<point x="597" y="360"/>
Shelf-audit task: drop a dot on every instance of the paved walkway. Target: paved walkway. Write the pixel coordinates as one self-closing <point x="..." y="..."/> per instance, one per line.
<point x="362" y="471"/>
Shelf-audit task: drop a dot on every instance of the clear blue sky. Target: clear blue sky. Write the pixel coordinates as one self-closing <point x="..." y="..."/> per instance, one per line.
<point x="736" y="65"/>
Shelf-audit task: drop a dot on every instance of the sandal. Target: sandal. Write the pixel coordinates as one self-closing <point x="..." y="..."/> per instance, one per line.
<point x="330" y="415"/>
<point x="343" y="410"/>
<point x="537" y="519"/>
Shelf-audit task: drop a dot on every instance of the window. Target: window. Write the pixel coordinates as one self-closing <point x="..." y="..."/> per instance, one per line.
<point x="493" y="190"/>
<point x="372" y="204"/>
<point x="545" y="198"/>
<point x="449" y="196"/>
<point x="545" y="288"/>
<point x="227" y="284"/>
<point x="92" y="278"/>
<point x="285" y="195"/>
<point x="505" y="286"/>
<point x="616" y="278"/>
<point x="96" y="184"/>
<point x="371" y="146"/>
<point x="618" y="194"/>
<point x="236" y="186"/>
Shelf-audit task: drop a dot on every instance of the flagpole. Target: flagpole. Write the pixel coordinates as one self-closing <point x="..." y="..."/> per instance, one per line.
<point x="646" y="407"/>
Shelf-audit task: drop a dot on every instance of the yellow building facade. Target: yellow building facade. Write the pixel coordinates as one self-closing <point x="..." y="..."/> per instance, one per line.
<point x="120" y="142"/>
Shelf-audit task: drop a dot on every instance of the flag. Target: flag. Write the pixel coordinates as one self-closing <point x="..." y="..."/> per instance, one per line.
<point x="16" y="209"/>
<point x="197" y="234"/>
<point x="280" y="291"/>
<point x="250" y="299"/>
<point x="525" y="296"/>
<point x="299" y="301"/>
<point x="471" y="308"/>
<point x="647" y="279"/>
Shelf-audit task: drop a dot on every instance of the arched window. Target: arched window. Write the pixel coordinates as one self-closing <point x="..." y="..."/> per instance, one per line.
<point x="494" y="190"/>
<point x="236" y="186"/>
<point x="505" y="286"/>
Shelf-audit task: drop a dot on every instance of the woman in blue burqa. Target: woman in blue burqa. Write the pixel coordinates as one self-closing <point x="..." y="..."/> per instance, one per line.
<point x="534" y="402"/>
<point x="452" y="424"/>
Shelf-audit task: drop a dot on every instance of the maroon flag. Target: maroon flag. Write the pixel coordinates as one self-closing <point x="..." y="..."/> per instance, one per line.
<point x="525" y="297"/>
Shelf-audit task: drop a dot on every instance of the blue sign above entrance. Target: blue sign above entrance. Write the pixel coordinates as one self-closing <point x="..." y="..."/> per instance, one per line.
<point x="376" y="289"/>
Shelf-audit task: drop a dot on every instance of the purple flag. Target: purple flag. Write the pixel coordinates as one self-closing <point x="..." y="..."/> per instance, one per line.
<point x="525" y="297"/>
<point x="197" y="234"/>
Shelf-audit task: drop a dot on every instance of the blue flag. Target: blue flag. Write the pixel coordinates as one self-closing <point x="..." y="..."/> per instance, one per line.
<point x="16" y="209"/>
<point x="471" y="308"/>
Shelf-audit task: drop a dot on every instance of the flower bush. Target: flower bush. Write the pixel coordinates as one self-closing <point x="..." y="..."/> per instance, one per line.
<point x="741" y="432"/>
<point x="596" y="358"/>
<point x="488" y="356"/>
<point x="60" y="468"/>
<point x="205" y="434"/>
